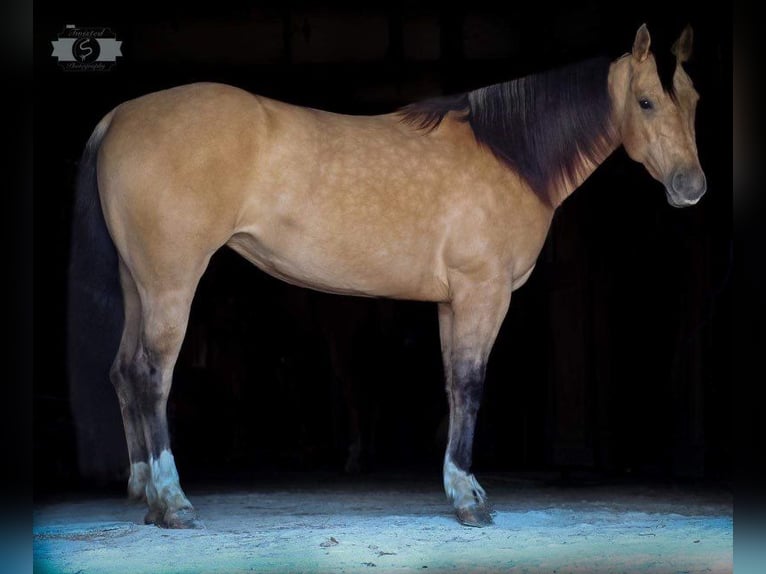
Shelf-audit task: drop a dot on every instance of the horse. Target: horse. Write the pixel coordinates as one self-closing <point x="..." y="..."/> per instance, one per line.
<point x="446" y="200"/>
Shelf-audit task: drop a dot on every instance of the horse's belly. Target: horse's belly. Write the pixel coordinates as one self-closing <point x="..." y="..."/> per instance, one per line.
<point x="375" y="272"/>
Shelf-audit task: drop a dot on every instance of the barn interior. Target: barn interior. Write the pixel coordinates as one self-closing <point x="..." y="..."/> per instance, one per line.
<point x="308" y="428"/>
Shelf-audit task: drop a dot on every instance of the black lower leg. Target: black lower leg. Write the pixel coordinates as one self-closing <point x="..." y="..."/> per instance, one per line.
<point x="466" y="493"/>
<point x="151" y="404"/>
<point x="168" y="505"/>
<point x="125" y="387"/>
<point x="466" y="394"/>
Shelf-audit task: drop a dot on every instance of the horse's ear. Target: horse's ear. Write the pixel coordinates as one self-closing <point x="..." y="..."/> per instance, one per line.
<point x="641" y="44"/>
<point x="683" y="46"/>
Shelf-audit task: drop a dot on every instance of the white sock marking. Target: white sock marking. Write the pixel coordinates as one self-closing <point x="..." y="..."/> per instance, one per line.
<point x="165" y="483"/>
<point x="140" y="474"/>
<point x="461" y="486"/>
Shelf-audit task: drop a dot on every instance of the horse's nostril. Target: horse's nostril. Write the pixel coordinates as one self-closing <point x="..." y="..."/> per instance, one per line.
<point x="689" y="181"/>
<point x="680" y="181"/>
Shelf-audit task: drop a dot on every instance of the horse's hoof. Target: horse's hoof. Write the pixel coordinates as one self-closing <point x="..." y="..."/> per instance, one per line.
<point x="478" y="516"/>
<point x="181" y="518"/>
<point x="153" y="517"/>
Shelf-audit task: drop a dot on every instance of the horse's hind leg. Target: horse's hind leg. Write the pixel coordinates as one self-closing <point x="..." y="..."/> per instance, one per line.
<point x="143" y="376"/>
<point x="468" y="327"/>
<point x="126" y="393"/>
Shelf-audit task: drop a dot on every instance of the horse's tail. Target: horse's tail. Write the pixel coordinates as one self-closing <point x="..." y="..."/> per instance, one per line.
<point x="95" y="320"/>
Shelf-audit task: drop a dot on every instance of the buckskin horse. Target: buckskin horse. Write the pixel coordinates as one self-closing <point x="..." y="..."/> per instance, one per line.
<point x="447" y="200"/>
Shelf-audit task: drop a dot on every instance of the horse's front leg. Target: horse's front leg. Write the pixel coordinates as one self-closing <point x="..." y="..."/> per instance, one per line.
<point x="468" y="327"/>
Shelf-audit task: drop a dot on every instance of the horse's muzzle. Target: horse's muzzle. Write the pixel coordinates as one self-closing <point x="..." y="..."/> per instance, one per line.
<point x="686" y="187"/>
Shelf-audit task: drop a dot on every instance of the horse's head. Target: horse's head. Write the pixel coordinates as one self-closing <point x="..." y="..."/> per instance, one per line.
<point x="657" y="119"/>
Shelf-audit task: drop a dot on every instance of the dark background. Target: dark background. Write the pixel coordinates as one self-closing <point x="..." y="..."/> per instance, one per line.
<point x="614" y="360"/>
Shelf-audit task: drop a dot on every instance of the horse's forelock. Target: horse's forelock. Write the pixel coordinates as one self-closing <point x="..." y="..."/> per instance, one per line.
<point x="666" y="69"/>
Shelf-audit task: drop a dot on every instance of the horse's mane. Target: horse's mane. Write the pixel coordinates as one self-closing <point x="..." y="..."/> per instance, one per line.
<point x="542" y="125"/>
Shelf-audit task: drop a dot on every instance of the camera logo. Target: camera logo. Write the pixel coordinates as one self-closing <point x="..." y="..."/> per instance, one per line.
<point x="86" y="49"/>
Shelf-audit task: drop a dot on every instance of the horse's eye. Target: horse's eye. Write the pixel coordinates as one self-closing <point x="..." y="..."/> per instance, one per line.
<point x="645" y="104"/>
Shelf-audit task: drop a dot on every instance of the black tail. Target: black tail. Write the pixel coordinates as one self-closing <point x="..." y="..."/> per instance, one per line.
<point x="95" y="319"/>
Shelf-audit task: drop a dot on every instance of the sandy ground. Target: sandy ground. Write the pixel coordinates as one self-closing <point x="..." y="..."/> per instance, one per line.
<point x="397" y="524"/>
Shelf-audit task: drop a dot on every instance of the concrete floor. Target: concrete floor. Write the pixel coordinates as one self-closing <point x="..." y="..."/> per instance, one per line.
<point x="321" y="523"/>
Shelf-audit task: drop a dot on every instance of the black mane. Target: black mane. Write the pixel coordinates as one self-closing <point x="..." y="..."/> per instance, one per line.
<point x="541" y="125"/>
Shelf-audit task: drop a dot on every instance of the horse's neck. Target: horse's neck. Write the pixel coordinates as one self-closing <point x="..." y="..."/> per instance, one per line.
<point x="619" y="73"/>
